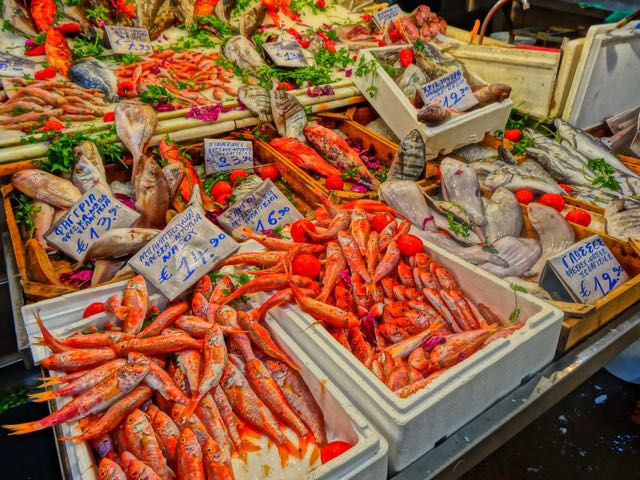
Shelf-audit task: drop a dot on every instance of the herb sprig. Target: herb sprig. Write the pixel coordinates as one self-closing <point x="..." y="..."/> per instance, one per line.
<point x="604" y="174"/>
<point x="515" y="313"/>
<point x="25" y="213"/>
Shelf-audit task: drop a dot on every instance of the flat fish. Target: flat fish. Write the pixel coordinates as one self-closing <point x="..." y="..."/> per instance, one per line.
<point x="242" y="52"/>
<point x="43" y="186"/>
<point x="92" y="73"/>
<point x="622" y="219"/>
<point x="474" y="254"/>
<point x="120" y="242"/>
<point x="520" y="253"/>
<point x="89" y="171"/>
<point x="513" y="179"/>
<point x="152" y="195"/>
<point x="257" y="100"/>
<point x="288" y="114"/>
<point x="460" y="184"/>
<point x="554" y="232"/>
<point x="409" y="159"/>
<point x="407" y="197"/>
<point x="504" y="217"/>
<point x="135" y="123"/>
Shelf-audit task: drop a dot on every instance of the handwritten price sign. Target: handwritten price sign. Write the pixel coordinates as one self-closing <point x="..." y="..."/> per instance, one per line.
<point x="129" y="39"/>
<point x="225" y="155"/>
<point x="587" y="271"/>
<point x="451" y="91"/>
<point x="94" y="214"/>
<point x="286" y="54"/>
<point x="387" y="15"/>
<point x="189" y="247"/>
<point x="264" y="208"/>
<point x="14" y="66"/>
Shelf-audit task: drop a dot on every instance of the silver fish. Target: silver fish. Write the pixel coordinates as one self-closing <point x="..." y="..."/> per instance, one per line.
<point x="120" y="242"/>
<point x="43" y="219"/>
<point x="553" y="230"/>
<point x="135" y="123"/>
<point x="45" y="187"/>
<point x="504" y="217"/>
<point x="485" y="167"/>
<point x="14" y="13"/>
<point x="88" y="171"/>
<point x="410" y="80"/>
<point x="534" y="169"/>
<point x="105" y="270"/>
<point x="460" y="185"/>
<point x="251" y="19"/>
<point x="242" y="52"/>
<point x="512" y="179"/>
<point x="174" y="172"/>
<point x="408" y="198"/>
<point x="409" y="159"/>
<point x="475" y="153"/>
<point x="152" y="195"/>
<point x="256" y="99"/>
<point x="147" y="10"/>
<point x="92" y="73"/>
<point x="597" y="197"/>
<point x="520" y="253"/>
<point x="622" y="219"/>
<point x="506" y="156"/>
<point x="288" y="114"/>
<point x="474" y="254"/>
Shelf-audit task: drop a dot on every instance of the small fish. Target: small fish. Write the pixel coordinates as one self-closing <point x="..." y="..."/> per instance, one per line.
<point x="433" y="114"/>
<point x="92" y="73"/>
<point x="288" y="114"/>
<point x="89" y="171"/>
<point x="474" y="254"/>
<point x="43" y="219"/>
<point x="152" y="195"/>
<point x="494" y="92"/>
<point x="189" y="455"/>
<point x="135" y="123"/>
<point x="120" y="242"/>
<point x="243" y="53"/>
<point x="514" y="179"/>
<point x="409" y="159"/>
<point x="256" y="99"/>
<point x="110" y="470"/>
<point x="251" y="19"/>
<point x="45" y="187"/>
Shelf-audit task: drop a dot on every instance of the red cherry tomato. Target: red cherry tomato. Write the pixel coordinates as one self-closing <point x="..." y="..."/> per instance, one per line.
<point x="406" y="57"/>
<point x="236" y="174"/>
<point x="381" y="220"/>
<point x="334" y="182"/>
<point x="410" y="245"/>
<point x="109" y="117"/>
<point x="566" y="188"/>
<point x="45" y="73"/>
<point x="92" y="309"/>
<point x="438" y="174"/>
<point x="306" y="265"/>
<point x="220" y="188"/>
<point x="35" y="51"/>
<point x="579" y="216"/>
<point x="524" y="196"/>
<point x="333" y="449"/>
<point x="513" y="135"/>
<point x="299" y="231"/>
<point x="553" y="200"/>
<point x="270" y="172"/>
<point x="223" y="199"/>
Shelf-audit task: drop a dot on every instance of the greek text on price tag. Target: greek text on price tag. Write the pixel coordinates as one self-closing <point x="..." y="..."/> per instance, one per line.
<point x="15" y="68"/>
<point x="450" y="91"/>
<point x="225" y="155"/>
<point x="189" y="247"/>
<point x="387" y="15"/>
<point x="262" y="209"/>
<point x="287" y="53"/>
<point x="129" y="39"/>
<point x="94" y="214"/>
<point x="588" y="270"/>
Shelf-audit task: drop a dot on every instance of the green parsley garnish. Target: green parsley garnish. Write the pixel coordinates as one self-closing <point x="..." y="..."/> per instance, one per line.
<point x="98" y="13"/>
<point x="25" y="213"/>
<point x="86" y="48"/>
<point x="129" y="58"/>
<point x="155" y="95"/>
<point x="604" y="174"/>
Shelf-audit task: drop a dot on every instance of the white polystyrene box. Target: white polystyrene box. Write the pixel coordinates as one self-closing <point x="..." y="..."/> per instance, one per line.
<point x="412" y="426"/>
<point x="401" y="116"/>
<point x="366" y="460"/>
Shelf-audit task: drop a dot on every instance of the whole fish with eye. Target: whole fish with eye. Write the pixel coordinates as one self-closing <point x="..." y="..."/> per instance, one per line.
<point x="622" y="219"/>
<point x="288" y="114"/>
<point x="224" y="8"/>
<point x="120" y="242"/>
<point x="257" y="100"/>
<point x="513" y="179"/>
<point x="88" y="171"/>
<point x="410" y="79"/>
<point x="407" y="197"/>
<point x="14" y="13"/>
<point x="92" y="73"/>
<point x="152" y="195"/>
<point x="474" y="254"/>
<point x="242" y="52"/>
<point x="408" y="162"/>
<point x="251" y="19"/>
<point x="135" y="123"/>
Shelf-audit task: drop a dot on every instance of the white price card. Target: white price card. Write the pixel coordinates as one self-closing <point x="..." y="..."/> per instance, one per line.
<point x="129" y="39"/>
<point x="94" y="214"/>
<point x="188" y="248"/>
<point x="287" y="53"/>
<point x="12" y="66"/>
<point x="387" y="15"/>
<point x="264" y="208"/>
<point x="450" y="91"/>
<point x="584" y="273"/>
<point x="226" y="155"/>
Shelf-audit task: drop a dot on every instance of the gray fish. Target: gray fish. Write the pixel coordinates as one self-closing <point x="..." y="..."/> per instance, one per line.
<point x="251" y="19"/>
<point x="43" y="219"/>
<point x="553" y="230"/>
<point x="43" y="186"/>
<point x="105" y="270"/>
<point x="409" y="159"/>
<point x="166" y="18"/>
<point x="147" y="11"/>
<point x="410" y="79"/>
<point x="474" y="254"/>
<point x="506" y="156"/>
<point x="597" y="197"/>
<point x="408" y="198"/>
<point x="520" y="253"/>
<point x="622" y="219"/>
<point x="152" y="195"/>
<point x="534" y="169"/>
<point x="485" y="167"/>
<point x="288" y="114"/>
<point x="14" y="13"/>
<point x="223" y="9"/>
<point x="476" y="153"/>
<point x="120" y="242"/>
<point x="443" y="210"/>
<point x="174" y="172"/>
<point x="135" y="123"/>
<point x="512" y="179"/>
<point x="88" y="171"/>
<point x="242" y="52"/>
<point x="460" y="185"/>
<point x="256" y="99"/>
<point x="504" y="217"/>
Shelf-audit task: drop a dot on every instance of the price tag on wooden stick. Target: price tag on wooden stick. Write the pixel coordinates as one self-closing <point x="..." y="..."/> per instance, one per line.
<point x="226" y="155"/>
<point x="450" y="91"/>
<point x="129" y="39"/>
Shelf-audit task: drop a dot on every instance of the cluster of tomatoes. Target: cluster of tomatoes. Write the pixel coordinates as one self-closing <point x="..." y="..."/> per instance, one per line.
<point x="222" y="190"/>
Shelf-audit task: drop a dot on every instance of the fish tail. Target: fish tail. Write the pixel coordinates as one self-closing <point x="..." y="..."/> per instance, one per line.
<point x="49" y="381"/>
<point x="52" y="342"/>
<point x="42" y="396"/>
<point x="303" y="443"/>
<point x="190" y="408"/>
<point x="291" y="363"/>
<point x="22" y="428"/>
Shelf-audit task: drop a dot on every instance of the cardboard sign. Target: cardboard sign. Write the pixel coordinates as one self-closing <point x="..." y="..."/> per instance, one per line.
<point x="287" y="53"/>
<point x="450" y="91"/>
<point x="225" y="155"/>
<point x="387" y="15"/>
<point x="94" y="214"/>
<point x="189" y="247"/>
<point x="129" y="39"/>
<point x="264" y="208"/>
<point x="11" y="66"/>
<point x="583" y="273"/>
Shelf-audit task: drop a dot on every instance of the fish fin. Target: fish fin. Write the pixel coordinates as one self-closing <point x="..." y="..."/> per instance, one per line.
<point x="121" y="312"/>
<point x="315" y="456"/>
<point x="303" y="443"/>
<point x="42" y="396"/>
<point x="22" y="428"/>
<point x="48" y="381"/>
<point x="291" y="363"/>
<point x="190" y="408"/>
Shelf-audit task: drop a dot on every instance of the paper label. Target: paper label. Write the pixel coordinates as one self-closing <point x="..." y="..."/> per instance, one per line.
<point x="94" y="214"/>
<point x="188" y="248"/>
<point x="264" y="208"/>
<point x="225" y="155"/>
<point x="450" y="91"/>
<point x="129" y="39"/>
<point x="287" y="53"/>
<point x="11" y="68"/>
<point x="387" y="15"/>
<point x="588" y="270"/>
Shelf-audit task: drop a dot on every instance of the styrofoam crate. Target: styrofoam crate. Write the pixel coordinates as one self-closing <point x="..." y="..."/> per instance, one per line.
<point x="366" y="460"/>
<point x="398" y="112"/>
<point x="412" y="426"/>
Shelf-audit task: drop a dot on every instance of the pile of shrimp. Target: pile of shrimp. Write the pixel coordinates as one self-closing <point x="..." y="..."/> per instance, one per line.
<point x="35" y="101"/>
<point x="199" y="71"/>
<point x="182" y="394"/>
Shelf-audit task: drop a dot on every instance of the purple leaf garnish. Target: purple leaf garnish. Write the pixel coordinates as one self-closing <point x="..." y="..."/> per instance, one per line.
<point x="432" y="342"/>
<point x="206" y="113"/>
